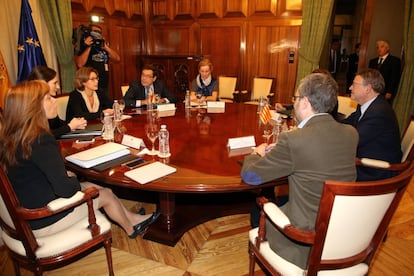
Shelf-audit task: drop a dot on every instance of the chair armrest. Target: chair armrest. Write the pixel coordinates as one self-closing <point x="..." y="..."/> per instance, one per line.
<point x="276" y="215"/>
<point x="282" y="222"/>
<point x="369" y="162"/>
<point x="381" y="165"/>
<point x="59" y="205"/>
<point x="62" y="202"/>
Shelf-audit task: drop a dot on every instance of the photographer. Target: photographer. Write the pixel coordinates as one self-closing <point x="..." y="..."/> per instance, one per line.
<point x="94" y="51"/>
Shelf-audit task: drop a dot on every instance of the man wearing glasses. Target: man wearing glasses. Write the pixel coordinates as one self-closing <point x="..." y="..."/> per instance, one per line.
<point x="376" y="123"/>
<point x="149" y="84"/>
<point x="319" y="149"/>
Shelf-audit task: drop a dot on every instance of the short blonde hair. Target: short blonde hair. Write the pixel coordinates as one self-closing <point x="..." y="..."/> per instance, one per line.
<point x="82" y="75"/>
<point x="205" y="62"/>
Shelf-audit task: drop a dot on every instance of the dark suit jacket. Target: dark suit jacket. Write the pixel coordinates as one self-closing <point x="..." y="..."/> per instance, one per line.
<point x="390" y="71"/>
<point x="58" y="127"/>
<point x="137" y="92"/>
<point x="323" y="149"/>
<point x="77" y="106"/>
<point x="379" y="137"/>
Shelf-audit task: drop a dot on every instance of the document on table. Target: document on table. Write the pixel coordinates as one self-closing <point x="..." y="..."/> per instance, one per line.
<point x="97" y="155"/>
<point x="241" y="142"/>
<point x="150" y="172"/>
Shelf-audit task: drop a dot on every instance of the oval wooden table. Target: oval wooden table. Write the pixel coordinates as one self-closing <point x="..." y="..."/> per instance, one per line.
<point x="199" y="152"/>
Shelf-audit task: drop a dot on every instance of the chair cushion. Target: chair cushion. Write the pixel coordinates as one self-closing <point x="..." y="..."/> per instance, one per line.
<point x="287" y="268"/>
<point x="61" y="241"/>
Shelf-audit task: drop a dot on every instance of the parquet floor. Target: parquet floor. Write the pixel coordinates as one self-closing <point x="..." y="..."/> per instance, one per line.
<point x="219" y="247"/>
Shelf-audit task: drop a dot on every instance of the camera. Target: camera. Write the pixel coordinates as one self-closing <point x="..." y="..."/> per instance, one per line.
<point x="82" y="32"/>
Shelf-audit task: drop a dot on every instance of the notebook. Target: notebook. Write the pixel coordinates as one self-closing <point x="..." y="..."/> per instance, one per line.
<point x="98" y="155"/>
<point x="150" y="172"/>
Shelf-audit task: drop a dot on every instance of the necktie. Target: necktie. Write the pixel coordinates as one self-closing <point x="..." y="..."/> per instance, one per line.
<point x="380" y="60"/>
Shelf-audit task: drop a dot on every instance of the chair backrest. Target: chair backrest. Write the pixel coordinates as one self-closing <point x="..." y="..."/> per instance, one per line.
<point x="262" y="86"/>
<point x="62" y="103"/>
<point x="407" y="142"/>
<point x="124" y="89"/>
<point x="227" y="86"/>
<point x="346" y="106"/>
<point x="352" y="220"/>
<point x="9" y="206"/>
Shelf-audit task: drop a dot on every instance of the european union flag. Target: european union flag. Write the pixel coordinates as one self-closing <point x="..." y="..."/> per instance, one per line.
<point x="29" y="51"/>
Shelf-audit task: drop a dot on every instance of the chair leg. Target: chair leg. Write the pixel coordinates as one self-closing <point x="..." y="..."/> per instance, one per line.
<point x="107" y="245"/>
<point x="252" y="260"/>
<point x="16" y="268"/>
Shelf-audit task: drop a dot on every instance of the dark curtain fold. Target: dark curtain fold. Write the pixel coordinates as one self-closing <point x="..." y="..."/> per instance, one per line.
<point x="58" y="18"/>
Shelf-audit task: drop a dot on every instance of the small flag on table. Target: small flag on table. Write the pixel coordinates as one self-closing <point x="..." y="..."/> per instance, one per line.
<point x="265" y="115"/>
<point x="28" y="49"/>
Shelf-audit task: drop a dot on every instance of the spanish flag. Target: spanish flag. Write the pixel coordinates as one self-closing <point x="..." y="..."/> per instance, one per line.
<point x="4" y="81"/>
<point x="265" y="115"/>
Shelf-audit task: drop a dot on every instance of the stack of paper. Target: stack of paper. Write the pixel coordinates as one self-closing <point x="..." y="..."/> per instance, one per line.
<point x="97" y="155"/>
<point x="150" y="172"/>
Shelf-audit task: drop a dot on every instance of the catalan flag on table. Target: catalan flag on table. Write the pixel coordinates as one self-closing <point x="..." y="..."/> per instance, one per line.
<point x="29" y="51"/>
<point x="265" y="115"/>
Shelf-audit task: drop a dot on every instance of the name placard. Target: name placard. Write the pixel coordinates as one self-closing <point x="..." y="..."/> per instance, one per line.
<point x="166" y="107"/>
<point x="241" y="142"/>
<point x="216" y="107"/>
<point x="132" y="141"/>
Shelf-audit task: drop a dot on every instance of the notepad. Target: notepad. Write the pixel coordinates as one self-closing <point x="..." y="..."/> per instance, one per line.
<point x="150" y="172"/>
<point x="98" y="155"/>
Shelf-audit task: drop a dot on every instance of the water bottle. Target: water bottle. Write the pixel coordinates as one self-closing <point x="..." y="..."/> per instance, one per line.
<point x="108" y="133"/>
<point x="187" y="99"/>
<point x="261" y="104"/>
<point x="117" y="111"/>
<point x="164" y="145"/>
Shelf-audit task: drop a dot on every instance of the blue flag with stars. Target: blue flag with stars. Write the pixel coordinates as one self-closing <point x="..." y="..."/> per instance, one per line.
<point x="29" y="51"/>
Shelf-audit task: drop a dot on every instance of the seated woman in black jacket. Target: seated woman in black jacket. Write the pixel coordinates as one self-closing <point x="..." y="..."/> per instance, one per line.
<point x="57" y="125"/>
<point x="85" y="101"/>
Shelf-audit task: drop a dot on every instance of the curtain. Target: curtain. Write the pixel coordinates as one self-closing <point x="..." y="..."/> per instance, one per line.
<point x="403" y="102"/>
<point x="316" y="22"/>
<point x="58" y="17"/>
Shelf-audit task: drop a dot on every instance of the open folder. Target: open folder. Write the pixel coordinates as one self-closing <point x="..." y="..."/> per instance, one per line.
<point x="90" y="130"/>
<point x="98" y="155"/>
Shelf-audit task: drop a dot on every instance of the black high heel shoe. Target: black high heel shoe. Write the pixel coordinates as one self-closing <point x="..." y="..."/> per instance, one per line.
<point x="142" y="226"/>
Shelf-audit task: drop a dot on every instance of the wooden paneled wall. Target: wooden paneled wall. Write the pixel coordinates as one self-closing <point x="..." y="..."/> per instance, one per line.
<point x="243" y="38"/>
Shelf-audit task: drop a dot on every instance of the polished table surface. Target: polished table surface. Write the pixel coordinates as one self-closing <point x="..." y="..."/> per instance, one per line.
<point x="199" y="152"/>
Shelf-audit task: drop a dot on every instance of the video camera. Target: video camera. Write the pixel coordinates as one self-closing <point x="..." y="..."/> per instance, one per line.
<point x="83" y="32"/>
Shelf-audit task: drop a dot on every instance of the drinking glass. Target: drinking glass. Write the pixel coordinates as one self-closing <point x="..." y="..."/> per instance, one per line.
<point x="199" y="95"/>
<point x="152" y="133"/>
<point x="267" y="132"/>
<point x="121" y="103"/>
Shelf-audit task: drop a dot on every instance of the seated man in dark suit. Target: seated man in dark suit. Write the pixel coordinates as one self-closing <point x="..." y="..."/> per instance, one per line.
<point x="320" y="149"/>
<point x="376" y="123"/>
<point x="389" y="67"/>
<point x="137" y="93"/>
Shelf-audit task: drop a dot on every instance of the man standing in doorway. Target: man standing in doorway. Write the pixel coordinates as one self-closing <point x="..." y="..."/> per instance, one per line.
<point x="389" y="67"/>
<point x="334" y="58"/>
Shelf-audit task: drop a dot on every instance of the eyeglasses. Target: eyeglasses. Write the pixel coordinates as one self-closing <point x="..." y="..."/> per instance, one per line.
<point x="294" y="98"/>
<point x="357" y="83"/>
<point x="146" y="76"/>
<point x="94" y="79"/>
